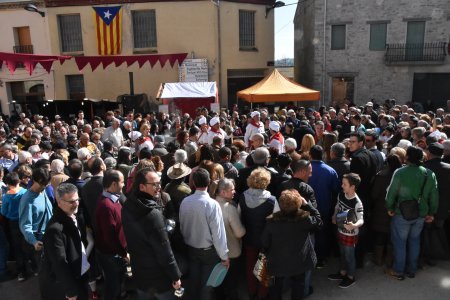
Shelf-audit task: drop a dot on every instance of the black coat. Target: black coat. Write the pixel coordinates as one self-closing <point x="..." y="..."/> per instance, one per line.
<point x="380" y="220"/>
<point x="364" y="163"/>
<point x="341" y="166"/>
<point x="61" y="266"/>
<point x="287" y="243"/>
<point x="304" y="189"/>
<point x="90" y="195"/>
<point x="442" y="172"/>
<point x="152" y="259"/>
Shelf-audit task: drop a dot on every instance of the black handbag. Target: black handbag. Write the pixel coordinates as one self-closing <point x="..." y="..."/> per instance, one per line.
<point x="410" y="208"/>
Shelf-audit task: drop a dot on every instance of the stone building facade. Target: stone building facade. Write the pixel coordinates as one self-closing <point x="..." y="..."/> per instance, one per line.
<point x="374" y="49"/>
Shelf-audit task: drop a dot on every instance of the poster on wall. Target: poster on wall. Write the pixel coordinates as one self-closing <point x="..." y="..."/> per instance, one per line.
<point x="215" y="107"/>
<point x="164" y="108"/>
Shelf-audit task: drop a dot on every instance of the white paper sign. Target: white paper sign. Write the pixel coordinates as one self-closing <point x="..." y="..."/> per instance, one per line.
<point x="164" y="108"/>
<point x="193" y="70"/>
<point x="215" y="107"/>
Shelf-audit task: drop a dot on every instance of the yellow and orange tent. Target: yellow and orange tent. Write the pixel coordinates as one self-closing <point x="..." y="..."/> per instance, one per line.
<point x="277" y="88"/>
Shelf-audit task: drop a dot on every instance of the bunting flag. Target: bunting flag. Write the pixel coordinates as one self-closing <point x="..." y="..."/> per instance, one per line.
<point x="108" y="23"/>
<point x="11" y="60"/>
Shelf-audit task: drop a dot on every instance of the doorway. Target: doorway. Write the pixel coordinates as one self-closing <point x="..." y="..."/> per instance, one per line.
<point x="342" y="89"/>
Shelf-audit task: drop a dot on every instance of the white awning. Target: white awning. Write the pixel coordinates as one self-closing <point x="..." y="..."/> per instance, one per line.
<point x="188" y="90"/>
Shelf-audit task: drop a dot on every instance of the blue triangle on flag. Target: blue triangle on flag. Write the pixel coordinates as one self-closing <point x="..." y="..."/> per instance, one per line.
<point x="107" y="13"/>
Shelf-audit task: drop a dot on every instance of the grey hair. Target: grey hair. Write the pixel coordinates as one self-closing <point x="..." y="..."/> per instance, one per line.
<point x="260" y="155"/>
<point x="83" y="153"/>
<point x="291" y="143"/>
<point x="180" y="156"/>
<point x="257" y="135"/>
<point x="224" y="184"/>
<point x="34" y="149"/>
<point x="110" y="163"/>
<point x="338" y="149"/>
<point x="24" y="156"/>
<point x="57" y="166"/>
<point x="64" y="189"/>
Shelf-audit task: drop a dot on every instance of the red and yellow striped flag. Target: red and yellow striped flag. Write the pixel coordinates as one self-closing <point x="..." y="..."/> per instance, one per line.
<point x="108" y="21"/>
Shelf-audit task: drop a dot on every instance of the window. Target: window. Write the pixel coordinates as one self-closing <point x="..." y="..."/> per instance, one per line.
<point x="70" y="33"/>
<point x="144" y="29"/>
<point x="337" y="37"/>
<point x="246" y="30"/>
<point x="378" y="36"/>
<point x="75" y="87"/>
<point x="415" y="36"/>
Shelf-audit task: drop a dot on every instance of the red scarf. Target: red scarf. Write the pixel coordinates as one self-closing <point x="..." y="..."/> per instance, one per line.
<point x="257" y="125"/>
<point x="215" y="130"/>
<point x="277" y="136"/>
<point x="143" y="140"/>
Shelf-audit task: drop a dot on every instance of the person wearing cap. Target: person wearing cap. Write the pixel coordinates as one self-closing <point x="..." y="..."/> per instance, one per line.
<point x="203" y="136"/>
<point x="155" y="270"/>
<point x="441" y="169"/>
<point x="254" y="126"/>
<point x="160" y="147"/>
<point x="410" y="183"/>
<point x="216" y="131"/>
<point x="276" y="139"/>
<point x="370" y="111"/>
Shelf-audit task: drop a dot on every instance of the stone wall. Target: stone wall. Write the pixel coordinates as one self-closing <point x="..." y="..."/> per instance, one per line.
<point x="373" y="78"/>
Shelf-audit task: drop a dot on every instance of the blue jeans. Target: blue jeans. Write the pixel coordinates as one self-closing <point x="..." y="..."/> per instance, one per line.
<point x="406" y="232"/>
<point x="348" y="261"/>
<point x="4" y="251"/>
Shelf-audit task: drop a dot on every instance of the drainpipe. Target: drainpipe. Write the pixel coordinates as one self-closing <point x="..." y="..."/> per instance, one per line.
<point x="324" y="63"/>
<point x="219" y="51"/>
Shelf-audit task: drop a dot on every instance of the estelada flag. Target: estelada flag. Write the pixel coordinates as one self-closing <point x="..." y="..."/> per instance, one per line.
<point x="108" y="21"/>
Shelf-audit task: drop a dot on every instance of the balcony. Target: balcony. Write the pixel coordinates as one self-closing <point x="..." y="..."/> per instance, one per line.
<point x="427" y="53"/>
<point x="27" y="49"/>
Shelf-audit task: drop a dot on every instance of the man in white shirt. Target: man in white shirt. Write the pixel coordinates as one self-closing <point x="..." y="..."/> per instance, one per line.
<point x="276" y="139"/>
<point x="215" y="130"/>
<point x="203" y="230"/>
<point x="203" y="136"/>
<point x="114" y="134"/>
<point x="254" y="126"/>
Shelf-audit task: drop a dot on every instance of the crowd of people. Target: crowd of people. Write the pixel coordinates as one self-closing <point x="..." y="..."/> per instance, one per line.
<point x="162" y="200"/>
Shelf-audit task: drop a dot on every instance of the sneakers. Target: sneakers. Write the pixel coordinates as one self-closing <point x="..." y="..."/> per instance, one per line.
<point x="337" y="276"/>
<point x="346" y="282"/>
<point x="321" y="264"/>
<point x="21" y="277"/>
<point x="395" y="275"/>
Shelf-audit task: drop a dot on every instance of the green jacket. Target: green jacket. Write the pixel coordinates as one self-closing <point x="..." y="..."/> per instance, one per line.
<point x="407" y="183"/>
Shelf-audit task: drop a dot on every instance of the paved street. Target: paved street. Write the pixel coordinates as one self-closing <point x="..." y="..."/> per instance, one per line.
<point x="430" y="283"/>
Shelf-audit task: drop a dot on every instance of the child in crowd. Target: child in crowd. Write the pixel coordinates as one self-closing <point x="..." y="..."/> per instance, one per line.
<point x="348" y="215"/>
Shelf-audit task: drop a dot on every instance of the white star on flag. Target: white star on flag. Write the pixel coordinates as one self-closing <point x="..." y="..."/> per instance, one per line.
<point x="107" y="14"/>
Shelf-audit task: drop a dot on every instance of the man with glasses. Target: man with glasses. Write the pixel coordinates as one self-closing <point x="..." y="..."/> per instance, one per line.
<point x="65" y="265"/>
<point x="363" y="163"/>
<point x="155" y="270"/>
<point x="109" y="236"/>
<point x="35" y="210"/>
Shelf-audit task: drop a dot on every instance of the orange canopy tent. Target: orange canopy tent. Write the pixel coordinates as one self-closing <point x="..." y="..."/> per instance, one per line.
<point x="277" y="88"/>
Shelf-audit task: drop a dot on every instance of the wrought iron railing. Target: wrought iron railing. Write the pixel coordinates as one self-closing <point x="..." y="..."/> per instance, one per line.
<point x="23" y="49"/>
<point x="426" y="52"/>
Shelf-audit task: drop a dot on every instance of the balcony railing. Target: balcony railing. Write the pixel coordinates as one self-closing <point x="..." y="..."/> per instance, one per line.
<point x="415" y="53"/>
<point x="28" y="49"/>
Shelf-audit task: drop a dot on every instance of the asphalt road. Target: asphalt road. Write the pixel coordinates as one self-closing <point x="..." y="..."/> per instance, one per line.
<point x="372" y="283"/>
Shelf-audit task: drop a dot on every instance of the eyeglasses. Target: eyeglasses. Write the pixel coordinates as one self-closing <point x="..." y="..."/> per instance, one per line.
<point x="154" y="184"/>
<point x="71" y="202"/>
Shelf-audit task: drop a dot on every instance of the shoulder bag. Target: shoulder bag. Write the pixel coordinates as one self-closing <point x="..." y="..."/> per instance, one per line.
<point x="410" y="208"/>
